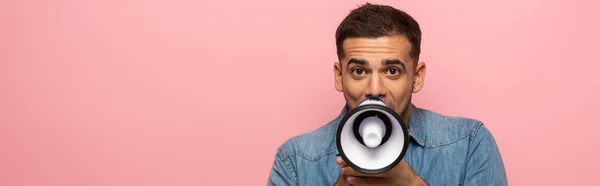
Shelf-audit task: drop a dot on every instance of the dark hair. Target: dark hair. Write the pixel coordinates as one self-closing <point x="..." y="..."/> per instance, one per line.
<point x="371" y="21"/>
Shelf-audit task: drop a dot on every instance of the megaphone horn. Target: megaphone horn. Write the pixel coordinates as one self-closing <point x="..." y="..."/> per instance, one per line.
<point x="372" y="138"/>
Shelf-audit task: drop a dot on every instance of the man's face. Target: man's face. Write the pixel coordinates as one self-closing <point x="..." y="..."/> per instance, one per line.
<point x="379" y="67"/>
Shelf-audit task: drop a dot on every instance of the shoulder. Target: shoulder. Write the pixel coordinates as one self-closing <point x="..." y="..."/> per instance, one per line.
<point x="440" y="129"/>
<point x="312" y="145"/>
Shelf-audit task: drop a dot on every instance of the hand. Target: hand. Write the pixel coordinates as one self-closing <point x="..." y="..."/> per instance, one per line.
<point x="401" y="175"/>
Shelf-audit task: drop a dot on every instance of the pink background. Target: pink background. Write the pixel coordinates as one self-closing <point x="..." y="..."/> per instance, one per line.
<point x="136" y="92"/>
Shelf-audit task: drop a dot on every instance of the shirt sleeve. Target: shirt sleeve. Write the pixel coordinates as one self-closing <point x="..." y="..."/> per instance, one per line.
<point x="484" y="163"/>
<point x="282" y="172"/>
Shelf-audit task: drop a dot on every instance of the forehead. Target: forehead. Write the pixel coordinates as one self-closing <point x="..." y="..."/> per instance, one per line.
<point x="396" y="46"/>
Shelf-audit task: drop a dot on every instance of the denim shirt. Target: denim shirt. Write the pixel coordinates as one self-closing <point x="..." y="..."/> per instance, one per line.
<point x="443" y="150"/>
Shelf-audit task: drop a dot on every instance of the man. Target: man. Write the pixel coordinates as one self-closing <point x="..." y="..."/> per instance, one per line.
<point x="378" y="50"/>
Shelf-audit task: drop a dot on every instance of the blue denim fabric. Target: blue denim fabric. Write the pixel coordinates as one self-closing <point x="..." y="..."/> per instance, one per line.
<point x="443" y="150"/>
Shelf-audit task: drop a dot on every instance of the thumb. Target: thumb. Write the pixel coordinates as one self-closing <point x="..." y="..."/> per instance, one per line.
<point x="340" y="161"/>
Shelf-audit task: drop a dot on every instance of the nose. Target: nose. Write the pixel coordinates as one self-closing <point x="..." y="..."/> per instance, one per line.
<point x="376" y="87"/>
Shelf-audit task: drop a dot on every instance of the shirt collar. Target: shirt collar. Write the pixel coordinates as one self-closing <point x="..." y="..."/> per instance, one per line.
<point x="416" y="127"/>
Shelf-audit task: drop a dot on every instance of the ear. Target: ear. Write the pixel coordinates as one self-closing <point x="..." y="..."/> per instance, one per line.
<point x="337" y="73"/>
<point x="420" y="72"/>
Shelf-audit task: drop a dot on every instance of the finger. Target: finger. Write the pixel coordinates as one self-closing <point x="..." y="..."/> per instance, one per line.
<point x="358" y="181"/>
<point x="349" y="171"/>
<point x="340" y="161"/>
<point x="342" y="181"/>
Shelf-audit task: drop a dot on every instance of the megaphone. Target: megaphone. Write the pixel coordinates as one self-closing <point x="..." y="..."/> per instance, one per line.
<point x="372" y="138"/>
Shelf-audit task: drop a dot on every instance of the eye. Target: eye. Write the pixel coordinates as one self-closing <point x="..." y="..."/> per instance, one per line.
<point x="358" y="71"/>
<point x="393" y="71"/>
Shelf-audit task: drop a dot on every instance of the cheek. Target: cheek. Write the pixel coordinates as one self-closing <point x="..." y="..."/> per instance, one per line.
<point x="353" y="90"/>
<point x="400" y="92"/>
<point x="398" y="87"/>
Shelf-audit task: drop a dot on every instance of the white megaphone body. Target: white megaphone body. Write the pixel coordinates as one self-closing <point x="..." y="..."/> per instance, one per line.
<point x="372" y="138"/>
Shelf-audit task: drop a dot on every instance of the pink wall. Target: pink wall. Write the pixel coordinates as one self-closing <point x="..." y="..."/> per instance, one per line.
<point x="133" y="92"/>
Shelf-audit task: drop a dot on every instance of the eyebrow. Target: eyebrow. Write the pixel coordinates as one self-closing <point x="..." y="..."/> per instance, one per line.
<point x="385" y="62"/>
<point x="393" y="62"/>
<point x="357" y="61"/>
